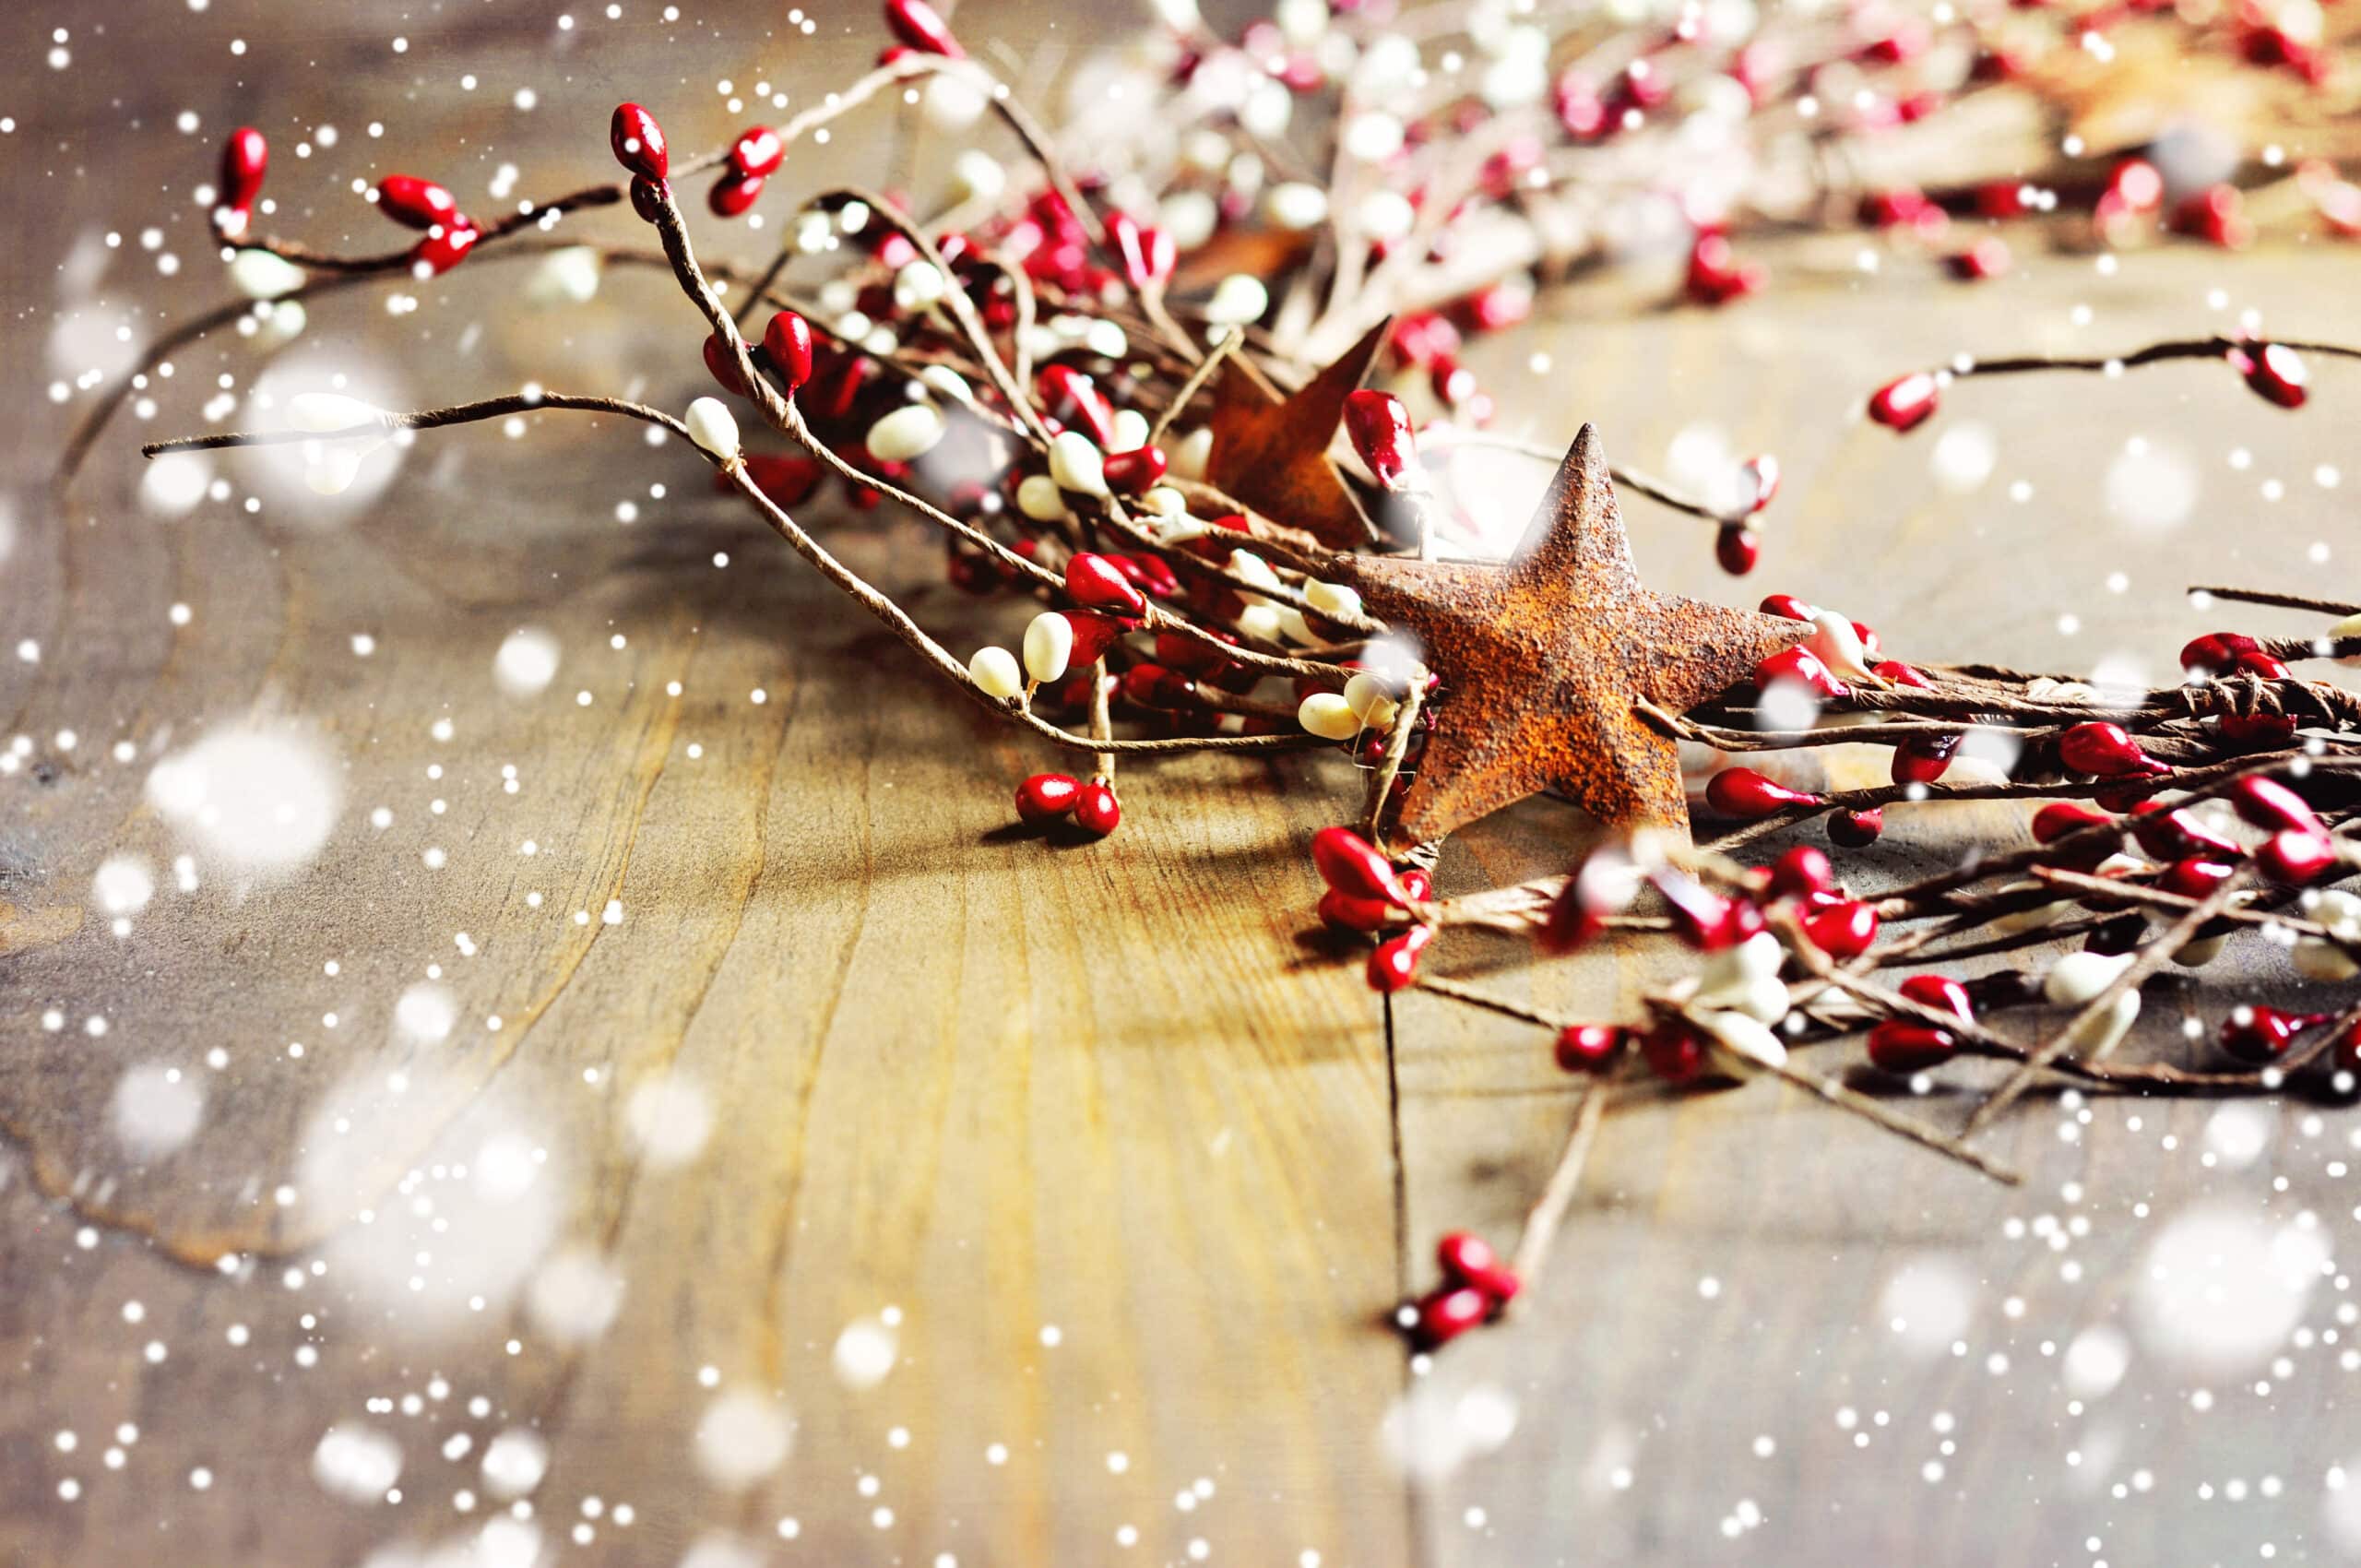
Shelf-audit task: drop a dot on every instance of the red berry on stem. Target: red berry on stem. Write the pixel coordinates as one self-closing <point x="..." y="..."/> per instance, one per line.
<point x="1350" y="864"/>
<point x="1148" y="254"/>
<point x="1095" y="809"/>
<point x="444" y="249"/>
<point x="1136" y="471"/>
<point x="1903" y="1047"/>
<point x="1349" y="913"/>
<point x="1802" y="665"/>
<point x="1762" y="472"/>
<point x="415" y="203"/>
<point x="1940" y="991"/>
<point x="1904" y="403"/>
<point x="1785" y="606"/>
<point x="1444" y="1316"/>
<point x="2172" y="834"/>
<point x="2296" y="858"/>
<point x="2273" y="371"/>
<point x="733" y="194"/>
<point x="1901" y="674"/>
<point x="1097" y="582"/>
<point x="1742" y="792"/>
<point x="1072" y="398"/>
<point x="2216" y="653"/>
<point x="1394" y="965"/>
<point x="1379" y="425"/>
<point x="1467" y="1259"/>
<point x="1737" y="548"/>
<point x="1845" y="931"/>
<point x="1675" y="1052"/>
<point x="1922" y="759"/>
<point x="2104" y="751"/>
<point x="1856" y="830"/>
<point x="2266" y="803"/>
<point x="2261" y="1035"/>
<point x="1802" y="872"/>
<point x="245" y="157"/>
<point x="1590" y="1048"/>
<point x="638" y="142"/>
<point x="922" y="27"/>
<point x="758" y="152"/>
<point x="1048" y="795"/>
<point x="648" y="196"/>
<point x="722" y="363"/>
<point x="788" y="341"/>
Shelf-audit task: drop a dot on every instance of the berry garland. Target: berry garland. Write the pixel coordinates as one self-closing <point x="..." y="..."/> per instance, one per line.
<point x="1114" y="385"/>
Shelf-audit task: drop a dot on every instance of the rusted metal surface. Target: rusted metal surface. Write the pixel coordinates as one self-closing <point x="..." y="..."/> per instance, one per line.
<point x="1543" y="658"/>
<point x="1272" y="455"/>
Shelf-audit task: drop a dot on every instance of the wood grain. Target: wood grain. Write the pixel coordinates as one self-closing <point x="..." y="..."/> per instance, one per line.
<point x="1134" y="1161"/>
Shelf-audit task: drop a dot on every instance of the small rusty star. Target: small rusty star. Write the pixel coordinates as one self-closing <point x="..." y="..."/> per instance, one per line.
<point x="1543" y="658"/>
<point x="1272" y="452"/>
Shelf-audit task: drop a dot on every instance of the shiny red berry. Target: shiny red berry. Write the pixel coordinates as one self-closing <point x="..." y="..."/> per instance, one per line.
<point x="1048" y="795"/>
<point x="758" y="152"/>
<point x="1447" y="1313"/>
<point x="1742" y="792"/>
<point x="1844" y="931"/>
<point x="2274" y="372"/>
<point x="920" y="26"/>
<point x="2104" y="751"/>
<point x="2296" y="858"/>
<point x="788" y="342"/>
<point x="1379" y="424"/>
<point x="1394" y="965"/>
<point x="1902" y="1047"/>
<point x="1905" y="402"/>
<point x="1097" y="582"/>
<point x="444" y="249"/>
<point x="1591" y="1048"/>
<point x="1802" y="872"/>
<point x="245" y="158"/>
<point x="730" y="195"/>
<point x="415" y="203"/>
<point x="1349" y="863"/>
<point x="1095" y="809"/>
<point x="638" y="142"/>
<point x="1737" y="548"/>
<point x="1856" y="830"/>
<point x="1467" y="1259"/>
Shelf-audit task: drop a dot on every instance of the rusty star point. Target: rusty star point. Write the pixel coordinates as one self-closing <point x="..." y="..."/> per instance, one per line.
<point x="1272" y="452"/>
<point x="1544" y="657"/>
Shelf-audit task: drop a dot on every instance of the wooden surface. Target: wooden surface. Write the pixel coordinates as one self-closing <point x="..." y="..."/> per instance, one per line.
<point x="1134" y="1161"/>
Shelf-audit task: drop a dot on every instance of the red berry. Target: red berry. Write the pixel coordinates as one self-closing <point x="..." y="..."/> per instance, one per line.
<point x="1048" y="795"/>
<point x="638" y="142"/>
<point x="1394" y="965"/>
<point x="2172" y="834"/>
<point x="2273" y="371"/>
<point x="1379" y="424"/>
<point x="1705" y="919"/>
<point x="2261" y="1035"/>
<point x="1762" y="472"/>
<point x="758" y="152"/>
<point x="245" y="157"/>
<point x="1856" y="830"/>
<point x="1467" y="1259"/>
<point x="1843" y="932"/>
<point x="2266" y="803"/>
<point x="1350" y="864"/>
<point x="1902" y="1047"/>
<point x="1136" y="471"/>
<point x="1802" y="665"/>
<point x="920" y="26"/>
<point x="415" y="203"/>
<point x="1742" y="792"/>
<point x="1072" y="398"/>
<point x="2216" y="653"/>
<point x="1923" y="759"/>
<point x="1940" y="991"/>
<point x="1785" y="606"/>
<point x="444" y="249"/>
<point x="1988" y="257"/>
<point x="1148" y="254"/>
<point x="1802" y="872"/>
<point x="1093" y="636"/>
<point x="1737" y="548"/>
<point x="1448" y="1314"/>
<point x="1097" y="582"/>
<point x="732" y="194"/>
<point x="721" y="362"/>
<point x="1349" y="913"/>
<point x="1903" y="674"/>
<point x="1716" y="276"/>
<point x="1675" y="1052"/>
<point x="1905" y="402"/>
<point x="2296" y="858"/>
<point x="2104" y="751"/>
<point x="1591" y="1048"/>
<point x="787" y="480"/>
<point x="1096" y="810"/>
<point x="2194" y="877"/>
<point x="788" y="341"/>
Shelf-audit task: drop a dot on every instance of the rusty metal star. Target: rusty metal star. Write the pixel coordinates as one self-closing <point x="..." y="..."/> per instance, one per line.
<point x="1272" y="452"/>
<point x="1543" y="658"/>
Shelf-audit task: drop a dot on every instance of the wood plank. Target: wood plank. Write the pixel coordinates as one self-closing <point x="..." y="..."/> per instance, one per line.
<point x="1714" y="1341"/>
<point x="1081" y="1118"/>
